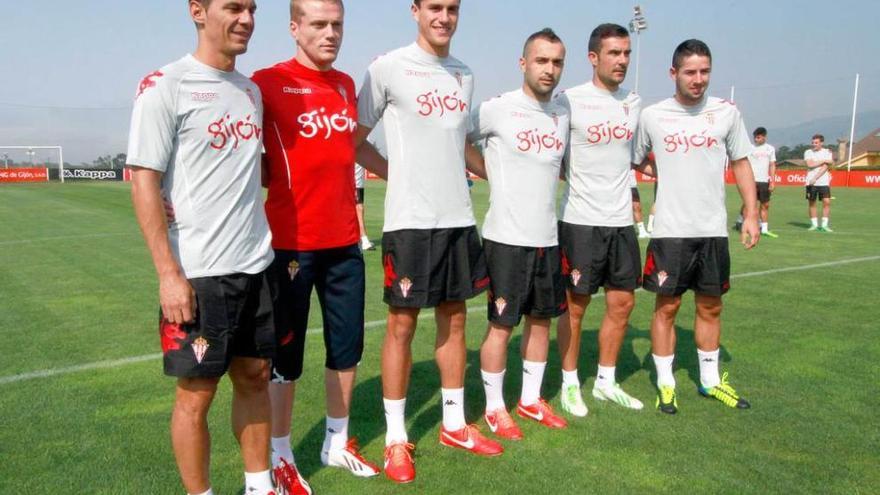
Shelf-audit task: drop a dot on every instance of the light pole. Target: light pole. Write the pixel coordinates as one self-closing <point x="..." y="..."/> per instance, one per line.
<point x="637" y="25"/>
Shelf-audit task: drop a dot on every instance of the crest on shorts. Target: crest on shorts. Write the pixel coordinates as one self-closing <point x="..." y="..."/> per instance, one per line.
<point x="458" y="77"/>
<point x="575" y="277"/>
<point x="500" y="305"/>
<point x="293" y="269"/>
<point x="710" y="118"/>
<point x="661" y="278"/>
<point x="200" y="347"/>
<point x="405" y="285"/>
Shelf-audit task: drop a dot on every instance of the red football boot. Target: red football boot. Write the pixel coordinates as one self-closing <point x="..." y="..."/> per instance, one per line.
<point x="501" y="424"/>
<point x="542" y="413"/>
<point x="399" y="465"/>
<point x="469" y="438"/>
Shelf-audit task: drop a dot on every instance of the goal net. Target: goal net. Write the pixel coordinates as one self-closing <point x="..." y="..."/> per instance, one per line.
<point x="31" y="163"/>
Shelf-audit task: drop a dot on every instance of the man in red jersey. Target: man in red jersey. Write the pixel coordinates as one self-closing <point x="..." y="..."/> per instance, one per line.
<point x="310" y="119"/>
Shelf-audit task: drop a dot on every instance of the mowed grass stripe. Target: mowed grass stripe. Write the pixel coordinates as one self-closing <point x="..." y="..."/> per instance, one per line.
<point x="374" y="324"/>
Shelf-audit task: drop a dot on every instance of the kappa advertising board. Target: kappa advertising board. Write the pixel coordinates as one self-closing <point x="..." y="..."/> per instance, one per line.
<point x="24" y="175"/>
<point x="92" y="174"/>
<point x="857" y="178"/>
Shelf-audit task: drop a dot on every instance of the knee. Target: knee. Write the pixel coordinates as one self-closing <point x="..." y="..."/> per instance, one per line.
<point x="251" y="377"/>
<point x="577" y="306"/>
<point x="709" y="311"/>
<point x="668" y="309"/>
<point x="402" y="328"/>
<point x="194" y="396"/>
<point x="622" y="308"/>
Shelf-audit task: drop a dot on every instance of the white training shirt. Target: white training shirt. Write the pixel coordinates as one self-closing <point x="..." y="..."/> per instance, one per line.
<point x="690" y="147"/>
<point x="525" y="143"/>
<point x="823" y="155"/>
<point x="633" y="182"/>
<point x="760" y="159"/>
<point x="425" y="102"/>
<point x="598" y="170"/>
<point x="202" y="128"/>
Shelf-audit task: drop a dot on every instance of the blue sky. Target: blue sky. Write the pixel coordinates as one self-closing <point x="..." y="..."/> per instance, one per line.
<point x="70" y="68"/>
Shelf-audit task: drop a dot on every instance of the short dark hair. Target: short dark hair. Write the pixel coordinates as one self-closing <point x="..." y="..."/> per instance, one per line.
<point x="819" y="137"/>
<point x="544" y="34"/>
<point x="688" y="48"/>
<point x="602" y="31"/>
<point x="760" y="131"/>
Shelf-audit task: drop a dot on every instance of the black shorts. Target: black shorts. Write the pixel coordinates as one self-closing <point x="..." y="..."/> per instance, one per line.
<point x="674" y="265"/>
<point x="594" y="257"/>
<point x="425" y="267"/>
<point x="635" y="195"/>
<point x="818" y="192"/>
<point x="337" y="275"/>
<point x="233" y="319"/>
<point x="763" y="189"/>
<point x="359" y="195"/>
<point x="524" y="281"/>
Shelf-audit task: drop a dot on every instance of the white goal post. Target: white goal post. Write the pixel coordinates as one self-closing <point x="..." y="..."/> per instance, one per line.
<point x="31" y="150"/>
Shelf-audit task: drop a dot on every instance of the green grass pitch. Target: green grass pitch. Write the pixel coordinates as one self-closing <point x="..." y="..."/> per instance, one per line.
<point x="77" y="287"/>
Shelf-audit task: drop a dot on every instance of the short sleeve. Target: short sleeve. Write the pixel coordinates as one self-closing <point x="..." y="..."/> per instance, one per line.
<point x="808" y="155"/>
<point x="642" y="143"/>
<point x="153" y="123"/>
<point x="738" y="144"/>
<point x="480" y="123"/>
<point x="373" y="97"/>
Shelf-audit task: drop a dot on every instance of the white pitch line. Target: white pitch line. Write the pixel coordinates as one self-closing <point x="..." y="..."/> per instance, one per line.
<point x="62" y="238"/>
<point x="115" y="363"/>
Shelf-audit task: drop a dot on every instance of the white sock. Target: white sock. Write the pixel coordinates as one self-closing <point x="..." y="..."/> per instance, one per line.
<point x="493" y="384"/>
<point x="650" y="223"/>
<point x="365" y="239"/>
<point x="764" y="227"/>
<point x="709" y="368"/>
<point x="394" y="421"/>
<point x="814" y="221"/>
<point x="605" y="376"/>
<point x="825" y="221"/>
<point x="453" y="408"/>
<point x="209" y="492"/>
<point x="533" y="375"/>
<point x="739" y="219"/>
<point x="641" y="228"/>
<point x="664" y="370"/>
<point x="570" y="378"/>
<point x="281" y="448"/>
<point x="336" y="433"/>
<point x="260" y="482"/>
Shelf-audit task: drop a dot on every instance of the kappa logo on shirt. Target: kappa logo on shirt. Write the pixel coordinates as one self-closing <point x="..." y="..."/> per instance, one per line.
<point x="417" y="73"/>
<point x="296" y="91"/>
<point x="204" y="96"/>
